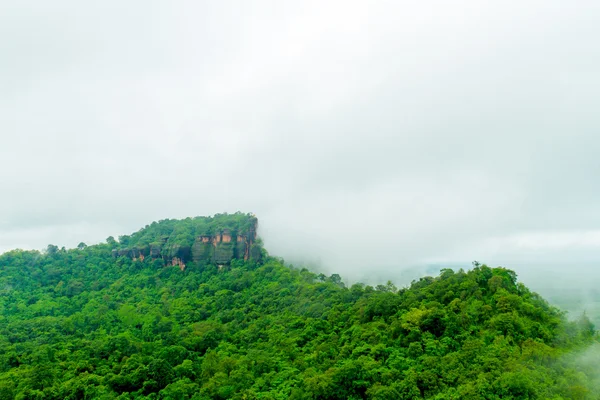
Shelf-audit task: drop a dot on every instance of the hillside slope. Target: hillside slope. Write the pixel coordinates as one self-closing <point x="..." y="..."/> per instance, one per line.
<point x="97" y="322"/>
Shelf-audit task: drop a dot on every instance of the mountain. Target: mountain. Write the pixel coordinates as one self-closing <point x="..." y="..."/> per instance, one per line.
<point x="197" y="309"/>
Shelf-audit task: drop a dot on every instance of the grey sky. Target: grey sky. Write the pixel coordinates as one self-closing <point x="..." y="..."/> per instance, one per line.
<point x="366" y="135"/>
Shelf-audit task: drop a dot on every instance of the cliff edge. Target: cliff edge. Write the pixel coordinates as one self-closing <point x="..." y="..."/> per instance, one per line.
<point x="212" y="240"/>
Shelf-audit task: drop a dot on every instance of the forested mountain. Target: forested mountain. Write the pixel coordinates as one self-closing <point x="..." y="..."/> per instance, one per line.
<point x="197" y="309"/>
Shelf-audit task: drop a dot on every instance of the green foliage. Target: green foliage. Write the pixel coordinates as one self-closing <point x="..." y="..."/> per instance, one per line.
<point x="79" y="324"/>
<point x="183" y="232"/>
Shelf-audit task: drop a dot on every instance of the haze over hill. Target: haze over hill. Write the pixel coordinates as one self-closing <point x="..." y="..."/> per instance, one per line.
<point x="378" y="136"/>
<point x="197" y="309"/>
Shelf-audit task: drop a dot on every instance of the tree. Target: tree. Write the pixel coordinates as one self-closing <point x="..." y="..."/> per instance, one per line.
<point x="51" y="249"/>
<point x="124" y="240"/>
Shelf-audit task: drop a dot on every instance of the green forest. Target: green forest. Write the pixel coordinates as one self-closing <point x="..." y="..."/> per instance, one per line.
<point x="119" y="320"/>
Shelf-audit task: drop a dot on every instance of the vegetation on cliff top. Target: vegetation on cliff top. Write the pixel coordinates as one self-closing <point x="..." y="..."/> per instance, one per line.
<point x="79" y="324"/>
<point x="184" y="232"/>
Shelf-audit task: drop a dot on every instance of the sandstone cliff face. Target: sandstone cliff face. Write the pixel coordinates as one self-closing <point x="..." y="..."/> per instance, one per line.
<point x="178" y="262"/>
<point x="220" y="247"/>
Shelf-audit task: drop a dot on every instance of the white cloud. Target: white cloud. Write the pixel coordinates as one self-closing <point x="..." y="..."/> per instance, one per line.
<point x="373" y="134"/>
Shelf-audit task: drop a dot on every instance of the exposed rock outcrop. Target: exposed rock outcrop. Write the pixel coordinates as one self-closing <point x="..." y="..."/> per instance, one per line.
<point x="220" y="247"/>
<point x="178" y="262"/>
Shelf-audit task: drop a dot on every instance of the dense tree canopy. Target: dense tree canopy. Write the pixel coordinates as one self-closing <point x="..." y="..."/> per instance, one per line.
<point x="184" y="232"/>
<point x="80" y="324"/>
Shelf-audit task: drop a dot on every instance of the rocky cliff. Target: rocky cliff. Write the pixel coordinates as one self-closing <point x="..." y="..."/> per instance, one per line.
<point x="215" y="240"/>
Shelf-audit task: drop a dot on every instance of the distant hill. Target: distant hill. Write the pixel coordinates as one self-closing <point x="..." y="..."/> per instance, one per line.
<point x="578" y="300"/>
<point x="198" y="309"/>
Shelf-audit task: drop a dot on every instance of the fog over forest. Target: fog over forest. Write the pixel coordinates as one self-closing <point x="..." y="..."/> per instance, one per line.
<point x="378" y="140"/>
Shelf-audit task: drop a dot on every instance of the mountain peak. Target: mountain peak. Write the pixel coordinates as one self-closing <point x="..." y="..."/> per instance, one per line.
<point x="218" y="239"/>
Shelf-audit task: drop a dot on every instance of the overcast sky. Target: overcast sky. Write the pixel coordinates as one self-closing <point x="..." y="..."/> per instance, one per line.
<point x="366" y="136"/>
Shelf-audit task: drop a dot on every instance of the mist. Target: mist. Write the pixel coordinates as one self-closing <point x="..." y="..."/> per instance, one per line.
<point x="378" y="141"/>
